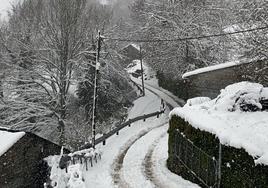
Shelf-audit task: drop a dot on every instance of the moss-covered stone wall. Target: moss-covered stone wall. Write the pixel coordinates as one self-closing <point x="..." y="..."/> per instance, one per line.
<point x="238" y="167"/>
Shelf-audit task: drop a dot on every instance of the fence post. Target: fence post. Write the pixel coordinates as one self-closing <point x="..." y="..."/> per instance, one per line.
<point x="104" y="141"/>
<point x="219" y="165"/>
<point x="91" y="163"/>
<point x="86" y="164"/>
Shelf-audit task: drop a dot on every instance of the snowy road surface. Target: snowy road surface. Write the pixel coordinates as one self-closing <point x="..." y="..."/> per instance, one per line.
<point x="136" y="158"/>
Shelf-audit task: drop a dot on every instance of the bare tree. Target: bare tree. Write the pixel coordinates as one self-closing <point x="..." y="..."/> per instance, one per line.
<point x="49" y="37"/>
<point x="46" y="48"/>
<point x="181" y="19"/>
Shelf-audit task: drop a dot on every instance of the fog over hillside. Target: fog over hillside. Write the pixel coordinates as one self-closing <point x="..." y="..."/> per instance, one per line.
<point x="121" y="8"/>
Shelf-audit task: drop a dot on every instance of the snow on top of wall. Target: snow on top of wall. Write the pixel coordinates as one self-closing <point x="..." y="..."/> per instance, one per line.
<point x="213" y="68"/>
<point x="197" y="100"/>
<point x="8" y="139"/>
<point x="233" y="127"/>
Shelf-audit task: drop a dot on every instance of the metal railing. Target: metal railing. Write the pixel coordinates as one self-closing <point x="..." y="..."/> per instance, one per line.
<point x="116" y="130"/>
<point x="138" y="86"/>
<point x="203" y="166"/>
<point x="85" y="156"/>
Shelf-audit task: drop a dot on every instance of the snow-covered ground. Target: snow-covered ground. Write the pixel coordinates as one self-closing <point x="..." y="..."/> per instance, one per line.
<point x="151" y="84"/>
<point x="159" y="157"/>
<point x="137" y="157"/>
<point x="101" y="175"/>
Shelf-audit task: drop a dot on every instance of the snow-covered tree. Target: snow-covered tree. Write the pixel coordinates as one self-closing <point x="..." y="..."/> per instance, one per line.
<point x="163" y="19"/>
<point x="45" y="48"/>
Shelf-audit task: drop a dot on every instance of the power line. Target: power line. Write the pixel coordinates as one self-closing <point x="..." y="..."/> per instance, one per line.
<point x="187" y="38"/>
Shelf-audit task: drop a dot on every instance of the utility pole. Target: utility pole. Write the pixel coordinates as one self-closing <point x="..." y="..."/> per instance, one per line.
<point x="219" y="165"/>
<point x="142" y="78"/>
<point x="95" y="96"/>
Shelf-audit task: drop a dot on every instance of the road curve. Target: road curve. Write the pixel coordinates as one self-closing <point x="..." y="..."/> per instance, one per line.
<point x="118" y="179"/>
<point x="121" y="166"/>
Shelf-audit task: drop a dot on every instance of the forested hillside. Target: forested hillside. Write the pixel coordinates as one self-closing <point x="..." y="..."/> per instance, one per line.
<point x="154" y="20"/>
<point x="47" y="69"/>
<point x="47" y="54"/>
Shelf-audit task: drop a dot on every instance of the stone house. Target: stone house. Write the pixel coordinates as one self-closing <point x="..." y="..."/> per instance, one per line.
<point x="210" y="80"/>
<point x="130" y="53"/>
<point x="21" y="159"/>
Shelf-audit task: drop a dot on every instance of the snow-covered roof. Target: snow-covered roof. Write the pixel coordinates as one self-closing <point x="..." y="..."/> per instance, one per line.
<point x="223" y="118"/>
<point x="133" y="45"/>
<point x="136" y="46"/>
<point x="214" y="67"/>
<point x="8" y="139"/>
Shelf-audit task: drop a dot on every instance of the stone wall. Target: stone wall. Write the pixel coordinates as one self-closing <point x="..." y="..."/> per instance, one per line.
<point x="238" y="168"/>
<point x="23" y="166"/>
<point x="210" y="83"/>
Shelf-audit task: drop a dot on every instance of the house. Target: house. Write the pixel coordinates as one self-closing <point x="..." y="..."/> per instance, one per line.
<point x="130" y="52"/>
<point x="208" y="81"/>
<point x="21" y="159"/>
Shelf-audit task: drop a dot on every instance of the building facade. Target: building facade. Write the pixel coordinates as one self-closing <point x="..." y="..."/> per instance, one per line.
<point x="209" y="81"/>
<point x="22" y="165"/>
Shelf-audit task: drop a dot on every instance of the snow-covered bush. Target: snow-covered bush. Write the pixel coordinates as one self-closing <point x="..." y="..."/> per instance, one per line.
<point x="76" y="179"/>
<point x="58" y="177"/>
<point x="67" y="170"/>
<point x="244" y="96"/>
<point x="197" y="100"/>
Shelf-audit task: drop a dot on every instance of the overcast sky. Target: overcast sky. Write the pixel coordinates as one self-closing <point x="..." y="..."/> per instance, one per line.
<point x="4" y="6"/>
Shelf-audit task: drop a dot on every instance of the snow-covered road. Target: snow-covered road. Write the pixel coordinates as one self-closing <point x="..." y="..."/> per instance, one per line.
<point x="137" y="157"/>
<point x="168" y="97"/>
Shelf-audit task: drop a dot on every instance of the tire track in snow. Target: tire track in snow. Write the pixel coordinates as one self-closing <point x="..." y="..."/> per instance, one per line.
<point x="148" y="163"/>
<point x="181" y="102"/>
<point x="144" y="110"/>
<point x="117" y="165"/>
<point x="173" y="100"/>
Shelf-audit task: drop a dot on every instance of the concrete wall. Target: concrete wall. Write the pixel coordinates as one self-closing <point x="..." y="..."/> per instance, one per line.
<point x="210" y="83"/>
<point x="23" y="166"/>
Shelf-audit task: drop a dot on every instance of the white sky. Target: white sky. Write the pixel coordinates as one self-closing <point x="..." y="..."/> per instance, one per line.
<point x="5" y="5"/>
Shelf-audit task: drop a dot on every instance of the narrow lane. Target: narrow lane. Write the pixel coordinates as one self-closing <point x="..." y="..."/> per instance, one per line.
<point x="141" y="166"/>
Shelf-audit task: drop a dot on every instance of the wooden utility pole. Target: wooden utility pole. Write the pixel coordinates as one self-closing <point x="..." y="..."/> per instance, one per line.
<point x="142" y="78"/>
<point x="219" y="165"/>
<point x="95" y="94"/>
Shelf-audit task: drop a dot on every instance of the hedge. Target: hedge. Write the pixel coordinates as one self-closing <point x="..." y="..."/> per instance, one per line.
<point x="176" y="86"/>
<point x="238" y="167"/>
